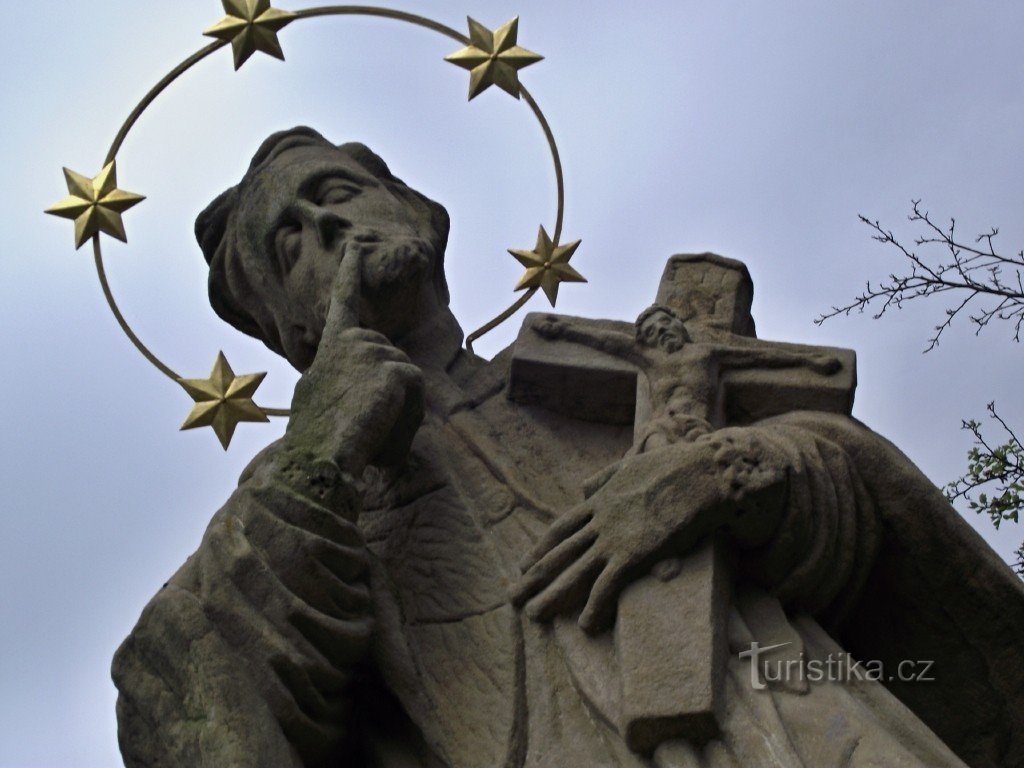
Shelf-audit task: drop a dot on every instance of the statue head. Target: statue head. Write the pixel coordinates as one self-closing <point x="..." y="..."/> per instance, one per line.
<point x="274" y="244"/>
<point x="660" y="327"/>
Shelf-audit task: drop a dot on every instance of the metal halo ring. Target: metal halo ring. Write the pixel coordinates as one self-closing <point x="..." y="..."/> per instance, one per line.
<point x="341" y="10"/>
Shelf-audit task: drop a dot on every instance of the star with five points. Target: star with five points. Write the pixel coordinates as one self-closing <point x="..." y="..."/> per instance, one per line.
<point x="223" y="400"/>
<point x="547" y="266"/>
<point x="251" y="26"/>
<point x="95" y="205"/>
<point x="493" y="58"/>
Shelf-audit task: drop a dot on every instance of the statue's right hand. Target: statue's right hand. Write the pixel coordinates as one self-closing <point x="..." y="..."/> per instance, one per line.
<point x="361" y="400"/>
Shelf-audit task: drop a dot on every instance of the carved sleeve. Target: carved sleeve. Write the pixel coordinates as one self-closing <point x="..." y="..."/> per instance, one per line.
<point x="246" y="656"/>
<point x="804" y="520"/>
<point x="934" y="591"/>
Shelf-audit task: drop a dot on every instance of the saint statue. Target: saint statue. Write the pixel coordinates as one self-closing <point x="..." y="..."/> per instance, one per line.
<point x="596" y="550"/>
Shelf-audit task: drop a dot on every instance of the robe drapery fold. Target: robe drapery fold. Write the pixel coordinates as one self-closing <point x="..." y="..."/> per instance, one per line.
<point x="284" y="639"/>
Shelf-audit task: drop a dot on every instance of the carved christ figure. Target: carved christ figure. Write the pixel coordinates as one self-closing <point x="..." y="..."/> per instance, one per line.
<point x="413" y="575"/>
<point x="681" y="372"/>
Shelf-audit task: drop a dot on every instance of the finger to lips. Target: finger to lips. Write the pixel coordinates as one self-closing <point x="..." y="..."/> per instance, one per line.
<point x="565" y="592"/>
<point x="561" y="529"/>
<point x="384" y="354"/>
<point x="395" y="374"/>
<point x="552" y="564"/>
<point x="366" y="335"/>
<point x="346" y="292"/>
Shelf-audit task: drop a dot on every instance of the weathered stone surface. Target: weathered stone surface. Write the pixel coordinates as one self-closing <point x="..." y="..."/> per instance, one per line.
<point x="689" y="379"/>
<point x="710" y="290"/>
<point x="670" y="636"/>
<point x="428" y="572"/>
<point x="572" y="380"/>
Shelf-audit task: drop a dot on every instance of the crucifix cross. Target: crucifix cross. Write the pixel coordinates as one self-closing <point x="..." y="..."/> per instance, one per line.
<point x="690" y="365"/>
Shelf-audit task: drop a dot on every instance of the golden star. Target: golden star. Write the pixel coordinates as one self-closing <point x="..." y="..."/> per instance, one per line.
<point x="547" y="266"/>
<point x="493" y="58"/>
<point x="250" y="26"/>
<point x="223" y="400"/>
<point x="95" y="204"/>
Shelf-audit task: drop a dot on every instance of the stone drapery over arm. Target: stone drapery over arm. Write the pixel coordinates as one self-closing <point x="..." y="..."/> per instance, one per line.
<point x="935" y="593"/>
<point x="246" y="657"/>
<point x="838" y="524"/>
<point x="870" y="547"/>
<point x="813" y="542"/>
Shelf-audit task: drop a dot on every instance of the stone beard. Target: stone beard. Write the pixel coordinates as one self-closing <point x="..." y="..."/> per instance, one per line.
<point x="450" y="562"/>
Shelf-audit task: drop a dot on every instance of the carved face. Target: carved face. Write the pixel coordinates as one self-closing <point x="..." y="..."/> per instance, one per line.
<point x="298" y="214"/>
<point x="659" y="328"/>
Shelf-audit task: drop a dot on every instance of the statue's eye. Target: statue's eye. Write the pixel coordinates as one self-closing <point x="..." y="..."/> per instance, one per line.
<point x="334" y="191"/>
<point x="288" y="245"/>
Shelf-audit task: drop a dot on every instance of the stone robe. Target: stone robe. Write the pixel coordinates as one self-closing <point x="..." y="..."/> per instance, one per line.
<point x="283" y="642"/>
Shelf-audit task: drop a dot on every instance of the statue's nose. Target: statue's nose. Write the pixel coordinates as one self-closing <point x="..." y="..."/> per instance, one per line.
<point x="327" y="226"/>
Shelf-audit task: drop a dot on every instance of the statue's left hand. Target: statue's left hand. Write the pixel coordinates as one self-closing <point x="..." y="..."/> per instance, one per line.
<point x="655" y="505"/>
<point x="590" y="553"/>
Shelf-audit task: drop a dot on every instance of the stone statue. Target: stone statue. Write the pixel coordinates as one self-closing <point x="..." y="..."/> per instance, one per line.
<point x="591" y="550"/>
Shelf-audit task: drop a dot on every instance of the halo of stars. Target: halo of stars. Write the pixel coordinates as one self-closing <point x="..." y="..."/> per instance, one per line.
<point x="223" y="400"/>
<point x="251" y="26"/>
<point x="493" y="58"/>
<point x="96" y="204"/>
<point x="547" y="266"/>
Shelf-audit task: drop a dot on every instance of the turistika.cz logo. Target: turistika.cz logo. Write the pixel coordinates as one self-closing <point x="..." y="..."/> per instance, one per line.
<point x="834" y="668"/>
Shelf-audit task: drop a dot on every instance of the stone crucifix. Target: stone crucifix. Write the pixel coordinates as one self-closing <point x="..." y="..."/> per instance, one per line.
<point x="690" y="365"/>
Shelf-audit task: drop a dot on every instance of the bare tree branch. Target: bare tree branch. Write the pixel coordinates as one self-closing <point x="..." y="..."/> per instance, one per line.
<point x="974" y="270"/>
<point x="993" y="286"/>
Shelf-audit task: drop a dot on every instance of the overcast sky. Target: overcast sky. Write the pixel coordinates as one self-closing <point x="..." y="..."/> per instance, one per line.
<point x="756" y="130"/>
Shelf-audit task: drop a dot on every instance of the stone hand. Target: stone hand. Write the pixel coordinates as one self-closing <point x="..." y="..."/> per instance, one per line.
<point x="361" y="400"/>
<point x="654" y="506"/>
